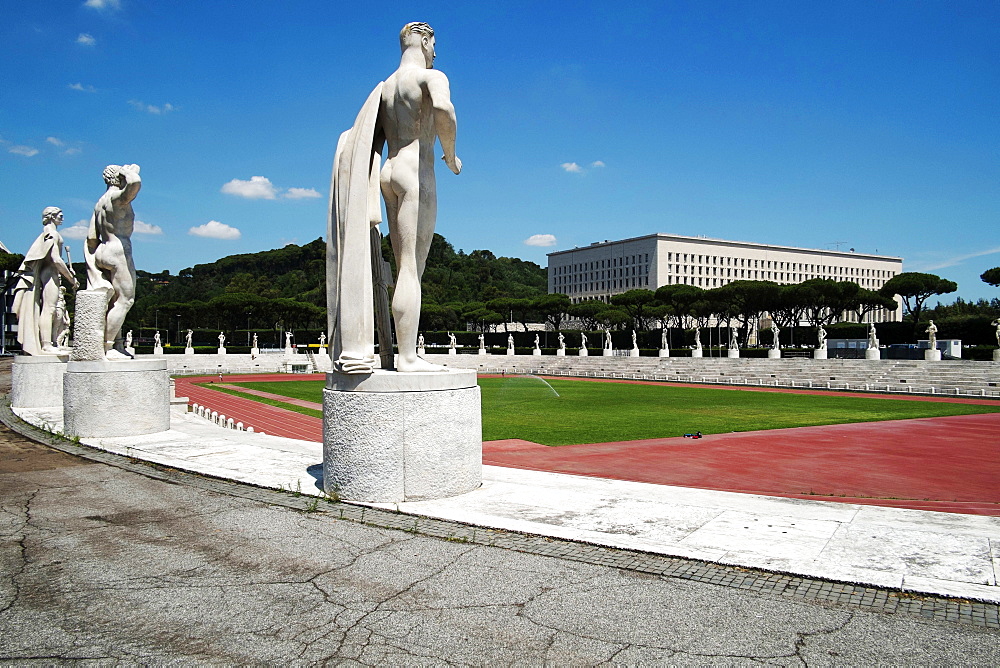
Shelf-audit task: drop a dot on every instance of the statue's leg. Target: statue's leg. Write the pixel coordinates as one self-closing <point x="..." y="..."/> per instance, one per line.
<point x="46" y="312"/>
<point x="123" y="283"/>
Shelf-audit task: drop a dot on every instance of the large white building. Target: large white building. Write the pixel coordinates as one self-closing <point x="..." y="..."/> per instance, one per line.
<point x="607" y="268"/>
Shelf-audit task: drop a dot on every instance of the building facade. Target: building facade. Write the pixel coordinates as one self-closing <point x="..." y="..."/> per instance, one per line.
<point x="607" y="268"/>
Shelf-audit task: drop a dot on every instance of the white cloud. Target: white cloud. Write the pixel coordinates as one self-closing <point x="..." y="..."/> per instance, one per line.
<point x="597" y="163"/>
<point x="301" y="193"/>
<point x="26" y="151"/>
<point x="72" y="151"/>
<point x="77" y="230"/>
<point x="213" y="229"/>
<point x="103" y="4"/>
<point x="55" y="141"/>
<point x="86" y="39"/>
<point x="146" y="228"/>
<point x="82" y="88"/>
<point x="572" y="167"/>
<point x="540" y="240"/>
<point x="258" y="187"/>
<point x="151" y="108"/>
<point x="951" y="262"/>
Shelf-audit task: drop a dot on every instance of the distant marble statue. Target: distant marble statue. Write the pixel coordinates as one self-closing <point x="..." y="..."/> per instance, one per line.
<point x="607" y="339"/>
<point x="61" y="329"/>
<point x="697" y="337"/>
<point x="408" y="111"/>
<point x="872" y="336"/>
<point x="37" y="288"/>
<point x="108" y="251"/>
<point x="734" y="339"/>
<point x="635" y="343"/>
<point x="664" y="345"/>
<point x="420" y="341"/>
<point x="510" y="342"/>
<point x="128" y="340"/>
<point x="255" y="339"/>
<point x="776" y="344"/>
<point x="482" y="341"/>
<point x="156" y="340"/>
<point x="562" y="341"/>
<point x="821" y="337"/>
<point x="322" y="340"/>
<point x="188" y="344"/>
<point x="996" y="323"/>
<point x="222" y="340"/>
<point x="452" y="341"/>
<point x="583" y="340"/>
<point x="288" y="339"/>
<point x="932" y="335"/>
<point x="536" y="342"/>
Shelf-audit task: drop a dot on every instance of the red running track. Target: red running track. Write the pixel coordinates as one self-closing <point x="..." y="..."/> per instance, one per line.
<point x="949" y="464"/>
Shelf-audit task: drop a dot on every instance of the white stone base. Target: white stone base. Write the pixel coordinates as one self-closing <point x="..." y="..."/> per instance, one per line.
<point x="583" y="352"/>
<point x="819" y="354"/>
<point x="189" y="351"/>
<point x="932" y="355"/>
<point x="157" y="350"/>
<point x="607" y="352"/>
<point x="696" y="352"/>
<point x="996" y="355"/>
<point x="222" y="351"/>
<point x="130" y="350"/>
<point x="634" y="352"/>
<point x="121" y="398"/>
<point x="393" y="446"/>
<point x="452" y="351"/>
<point x="289" y="351"/>
<point x="536" y="352"/>
<point x="255" y="352"/>
<point x="562" y="352"/>
<point x="37" y="381"/>
<point x="421" y="351"/>
<point x="510" y="352"/>
<point x="773" y="354"/>
<point x="664" y="352"/>
<point x="482" y="351"/>
<point x="872" y="354"/>
<point x="323" y="351"/>
<point x="733" y="353"/>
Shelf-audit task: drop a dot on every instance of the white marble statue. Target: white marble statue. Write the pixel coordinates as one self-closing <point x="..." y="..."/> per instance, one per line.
<point x="420" y="341"/>
<point x="408" y="111"/>
<point x="872" y="336"/>
<point x="482" y="341"/>
<point x="222" y="340"/>
<point x="156" y="340"/>
<point x="255" y="339"/>
<point x="188" y="344"/>
<point x="932" y="335"/>
<point x="108" y="251"/>
<point x="663" y="339"/>
<point x="510" y="341"/>
<point x="607" y="339"/>
<point x="452" y="341"/>
<point x="734" y="339"/>
<point x="996" y="323"/>
<point x="776" y="344"/>
<point x="322" y="339"/>
<point x="536" y="342"/>
<point x="128" y="339"/>
<point x="697" y="337"/>
<point x="288" y="339"/>
<point x="61" y="328"/>
<point x="562" y="341"/>
<point x="635" y="343"/>
<point x="37" y="288"/>
<point x="821" y="337"/>
<point x="583" y="340"/>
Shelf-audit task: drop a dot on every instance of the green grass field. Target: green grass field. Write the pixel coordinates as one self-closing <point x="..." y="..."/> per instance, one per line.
<point x="565" y="412"/>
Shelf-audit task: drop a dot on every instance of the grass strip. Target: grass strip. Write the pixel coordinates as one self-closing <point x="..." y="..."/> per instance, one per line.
<point x="311" y="412"/>
<point x="568" y="412"/>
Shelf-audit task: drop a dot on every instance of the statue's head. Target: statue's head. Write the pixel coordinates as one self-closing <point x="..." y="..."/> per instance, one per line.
<point x="52" y="214"/>
<point x="418" y="35"/>
<point x="113" y="175"/>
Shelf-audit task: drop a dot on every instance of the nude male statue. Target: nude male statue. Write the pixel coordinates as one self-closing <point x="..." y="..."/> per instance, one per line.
<point x="408" y="112"/>
<point x="108" y="251"/>
<point x="37" y="289"/>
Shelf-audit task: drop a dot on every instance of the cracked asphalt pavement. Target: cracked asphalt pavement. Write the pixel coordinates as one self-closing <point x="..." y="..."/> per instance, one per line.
<point x="104" y="565"/>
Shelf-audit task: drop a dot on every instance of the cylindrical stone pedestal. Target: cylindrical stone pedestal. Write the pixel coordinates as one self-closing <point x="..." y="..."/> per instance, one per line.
<point x="452" y="351"/>
<point x="189" y="351"/>
<point x="116" y="398"/>
<point x="36" y="381"/>
<point x="664" y="352"/>
<point x="634" y="352"/>
<point x="819" y="354"/>
<point x="536" y="352"/>
<point x="561" y="352"/>
<point x="583" y="352"/>
<point x="696" y="352"/>
<point x="872" y="354"/>
<point x="510" y="352"/>
<point x="996" y="355"/>
<point x="608" y="352"/>
<point x="482" y="351"/>
<point x="733" y="353"/>
<point x="773" y="354"/>
<point x="932" y="355"/>
<point x="391" y="436"/>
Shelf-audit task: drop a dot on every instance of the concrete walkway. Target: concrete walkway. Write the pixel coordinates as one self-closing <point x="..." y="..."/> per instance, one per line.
<point x="919" y="551"/>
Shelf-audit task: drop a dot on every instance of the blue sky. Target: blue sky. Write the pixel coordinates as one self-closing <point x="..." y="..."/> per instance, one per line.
<point x="871" y="125"/>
